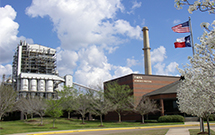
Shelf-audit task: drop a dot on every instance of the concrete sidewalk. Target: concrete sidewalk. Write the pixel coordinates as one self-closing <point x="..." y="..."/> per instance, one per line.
<point x="182" y="131"/>
<point x="178" y="131"/>
<point x="185" y="130"/>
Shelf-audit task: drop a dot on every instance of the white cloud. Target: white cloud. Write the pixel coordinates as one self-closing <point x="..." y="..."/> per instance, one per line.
<point x="8" y="38"/>
<point x="135" y="5"/>
<point x="66" y="61"/>
<point x="158" y="55"/>
<point x="143" y="22"/>
<point x="171" y="68"/>
<point x="111" y="49"/>
<point x="162" y="69"/>
<point x="176" y="21"/>
<point x="123" y="27"/>
<point x="7" y="69"/>
<point x="89" y="77"/>
<point x="8" y="32"/>
<point x="87" y="29"/>
<point x="93" y="56"/>
<point x="82" y="23"/>
<point x="93" y="66"/>
<point x="120" y="71"/>
<point x="157" y="58"/>
<point x="132" y="62"/>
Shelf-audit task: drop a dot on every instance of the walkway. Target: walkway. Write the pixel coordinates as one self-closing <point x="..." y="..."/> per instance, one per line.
<point x="185" y="130"/>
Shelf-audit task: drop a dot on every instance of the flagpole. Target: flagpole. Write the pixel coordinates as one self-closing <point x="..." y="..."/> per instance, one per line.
<point x="191" y="34"/>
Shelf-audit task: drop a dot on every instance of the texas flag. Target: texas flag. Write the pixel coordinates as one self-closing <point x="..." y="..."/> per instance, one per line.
<point x="181" y="28"/>
<point x="183" y="42"/>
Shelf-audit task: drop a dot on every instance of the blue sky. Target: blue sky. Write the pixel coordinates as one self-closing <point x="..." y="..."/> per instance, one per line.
<point x="98" y="40"/>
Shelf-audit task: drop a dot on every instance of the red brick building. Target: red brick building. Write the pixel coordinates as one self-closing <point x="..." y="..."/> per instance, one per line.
<point x="142" y="85"/>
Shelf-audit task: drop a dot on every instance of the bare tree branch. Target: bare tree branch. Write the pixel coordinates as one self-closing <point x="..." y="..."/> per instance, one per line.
<point x="146" y="106"/>
<point x="7" y="99"/>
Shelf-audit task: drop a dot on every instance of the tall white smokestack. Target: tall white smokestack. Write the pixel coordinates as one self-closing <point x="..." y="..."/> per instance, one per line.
<point x="146" y="48"/>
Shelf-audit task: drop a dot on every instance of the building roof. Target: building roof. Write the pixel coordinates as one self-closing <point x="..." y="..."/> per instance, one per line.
<point x="114" y="79"/>
<point x="41" y="49"/>
<point x="168" y="89"/>
<point x="41" y="76"/>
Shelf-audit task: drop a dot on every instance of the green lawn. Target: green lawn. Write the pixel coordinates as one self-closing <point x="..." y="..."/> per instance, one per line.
<point x="144" y="132"/>
<point x="196" y="131"/>
<point x="10" y="127"/>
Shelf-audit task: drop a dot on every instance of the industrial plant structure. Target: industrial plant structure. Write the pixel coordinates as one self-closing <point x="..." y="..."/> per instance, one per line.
<point x="34" y="71"/>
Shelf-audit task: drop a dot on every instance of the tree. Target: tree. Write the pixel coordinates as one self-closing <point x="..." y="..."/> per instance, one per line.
<point x="83" y="105"/>
<point x="24" y="106"/>
<point x="203" y="5"/>
<point x="68" y="96"/>
<point x="196" y="92"/>
<point x="38" y="107"/>
<point x="54" y="109"/>
<point x="146" y="106"/>
<point x="7" y="99"/>
<point x="207" y="40"/>
<point x="99" y="104"/>
<point x="120" y="97"/>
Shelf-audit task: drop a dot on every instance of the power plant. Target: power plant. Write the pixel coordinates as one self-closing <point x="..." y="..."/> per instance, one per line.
<point x="34" y="71"/>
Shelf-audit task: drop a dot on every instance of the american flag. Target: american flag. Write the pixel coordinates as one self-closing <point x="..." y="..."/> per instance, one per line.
<point x="181" y="28"/>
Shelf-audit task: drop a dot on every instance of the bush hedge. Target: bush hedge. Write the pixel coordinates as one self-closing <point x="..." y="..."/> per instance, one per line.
<point x="211" y="118"/>
<point x="150" y="121"/>
<point x="171" y="118"/>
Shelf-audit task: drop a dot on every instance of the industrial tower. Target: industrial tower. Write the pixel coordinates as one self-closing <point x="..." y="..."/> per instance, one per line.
<point x="146" y="49"/>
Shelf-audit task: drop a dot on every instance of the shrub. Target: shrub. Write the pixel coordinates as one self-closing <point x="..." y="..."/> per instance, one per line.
<point x="164" y="119"/>
<point x="211" y="117"/>
<point x="150" y="121"/>
<point x="171" y="118"/>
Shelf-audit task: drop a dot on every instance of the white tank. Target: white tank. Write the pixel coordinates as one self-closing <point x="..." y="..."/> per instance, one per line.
<point x="33" y="84"/>
<point x="49" y="86"/>
<point x="41" y="85"/>
<point x="24" y="85"/>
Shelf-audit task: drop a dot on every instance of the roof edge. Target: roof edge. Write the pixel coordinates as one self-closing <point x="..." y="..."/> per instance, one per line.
<point x="141" y="75"/>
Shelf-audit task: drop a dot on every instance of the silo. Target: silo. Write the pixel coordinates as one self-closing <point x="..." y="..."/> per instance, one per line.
<point x="49" y="86"/>
<point x="68" y="80"/>
<point x="41" y="85"/>
<point x="33" y="84"/>
<point x="24" y="85"/>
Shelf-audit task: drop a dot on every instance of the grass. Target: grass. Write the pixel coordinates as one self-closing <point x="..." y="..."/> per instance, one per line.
<point x="11" y="127"/>
<point x="196" y="131"/>
<point x="144" y="132"/>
